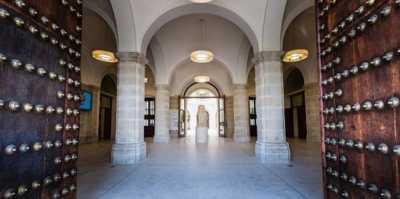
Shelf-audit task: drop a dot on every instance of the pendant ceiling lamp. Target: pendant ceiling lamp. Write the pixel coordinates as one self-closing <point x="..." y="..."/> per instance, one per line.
<point x="201" y="1"/>
<point x="296" y="55"/>
<point x="104" y="56"/>
<point x="202" y="56"/>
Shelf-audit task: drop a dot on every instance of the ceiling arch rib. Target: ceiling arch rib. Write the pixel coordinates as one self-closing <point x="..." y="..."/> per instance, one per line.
<point x="188" y="9"/>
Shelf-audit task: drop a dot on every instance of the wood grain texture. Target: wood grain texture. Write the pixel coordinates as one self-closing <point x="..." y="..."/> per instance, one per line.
<point x="27" y="128"/>
<point x="377" y="83"/>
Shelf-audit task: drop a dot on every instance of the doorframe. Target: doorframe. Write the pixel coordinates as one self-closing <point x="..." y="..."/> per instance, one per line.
<point x="111" y="97"/>
<point x="185" y="98"/>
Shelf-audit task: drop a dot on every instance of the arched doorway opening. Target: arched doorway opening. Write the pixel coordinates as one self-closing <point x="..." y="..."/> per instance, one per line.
<point x="108" y="93"/>
<point x="295" y="112"/>
<point x="195" y="95"/>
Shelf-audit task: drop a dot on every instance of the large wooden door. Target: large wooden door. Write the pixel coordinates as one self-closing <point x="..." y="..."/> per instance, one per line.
<point x="358" y="45"/>
<point x="39" y="97"/>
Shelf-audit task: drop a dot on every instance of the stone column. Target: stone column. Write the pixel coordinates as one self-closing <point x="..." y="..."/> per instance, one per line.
<point x="162" y="114"/>
<point x="129" y="147"/>
<point x="312" y="94"/>
<point x="271" y="146"/>
<point x="241" y="114"/>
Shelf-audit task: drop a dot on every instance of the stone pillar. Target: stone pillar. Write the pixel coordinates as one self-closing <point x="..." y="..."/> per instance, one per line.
<point x="271" y="146"/>
<point x="241" y="114"/>
<point x="162" y="114"/>
<point x="129" y="147"/>
<point x="312" y="94"/>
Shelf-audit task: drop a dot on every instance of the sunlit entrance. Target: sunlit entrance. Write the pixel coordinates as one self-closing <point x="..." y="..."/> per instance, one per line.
<point x="207" y="95"/>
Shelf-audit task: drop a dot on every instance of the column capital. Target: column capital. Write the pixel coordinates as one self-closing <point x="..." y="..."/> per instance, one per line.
<point x="132" y="57"/>
<point x="272" y="55"/>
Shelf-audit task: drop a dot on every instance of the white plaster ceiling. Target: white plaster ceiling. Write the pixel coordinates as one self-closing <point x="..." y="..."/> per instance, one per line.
<point x="172" y="45"/>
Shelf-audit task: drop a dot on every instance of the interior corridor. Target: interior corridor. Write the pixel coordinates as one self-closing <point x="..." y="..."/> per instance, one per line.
<point x="182" y="169"/>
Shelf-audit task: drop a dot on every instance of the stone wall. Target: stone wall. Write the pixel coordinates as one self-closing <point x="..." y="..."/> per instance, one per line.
<point x="90" y="119"/>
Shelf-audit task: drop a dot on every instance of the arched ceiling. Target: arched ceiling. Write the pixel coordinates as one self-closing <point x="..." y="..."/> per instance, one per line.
<point x="175" y="41"/>
<point x="104" y="9"/>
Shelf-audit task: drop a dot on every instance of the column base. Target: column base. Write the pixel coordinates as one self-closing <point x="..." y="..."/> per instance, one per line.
<point x="125" y="154"/>
<point x="273" y="153"/>
<point x="161" y="139"/>
<point x="242" y="139"/>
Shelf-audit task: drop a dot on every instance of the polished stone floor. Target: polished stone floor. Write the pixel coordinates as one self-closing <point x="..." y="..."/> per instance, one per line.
<point x="182" y="169"/>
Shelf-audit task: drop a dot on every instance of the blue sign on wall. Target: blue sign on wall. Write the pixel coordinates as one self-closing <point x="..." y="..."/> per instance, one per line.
<point x="86" y="104"/>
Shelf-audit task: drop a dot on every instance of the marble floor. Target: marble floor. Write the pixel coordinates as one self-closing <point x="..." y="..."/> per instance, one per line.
<point x="182" y="169"/>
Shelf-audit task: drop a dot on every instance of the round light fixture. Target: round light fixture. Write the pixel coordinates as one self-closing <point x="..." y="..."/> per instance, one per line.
<point x="202" y="56"/>
<point x="201" y="1"/>
<point x="295" y="55"/>
<point x="104" y="56"/>
<point x="202" y="79"/>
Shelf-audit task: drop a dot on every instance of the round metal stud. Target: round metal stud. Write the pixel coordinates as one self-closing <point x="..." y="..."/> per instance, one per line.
<point x="383" y="148"/>
<point x="361" y="184"/>
<point x="343" y="159"/>
<point x="33" y="29"/>
<point x="4" y="13"/>
<point x="58" y="128"/>
<point x="2" y="57"/>
<point x="68" y="111"/>
<point x="57" y="177"/>
<point x="376" y="61"/>
<point x="396" y="150"/>
<point x="2" y="104"/>
<point x="52" y="75"/>
<point x="370" y="147"/>
<point x="75" y="141"/>
<point x="75" y="127"/>
<point x="10" y="149"/>
<point x="44" y="19"/>
<point x="57" y="160"/>
<point x="370" y="2"/>
<point x="32" y="11"/>
<point x="58" y="144"/>
<point x="353" y="180"/>
<point x="350" y="143"/>
<point x="39" y="108"/>
<point x="354" y="70"/>
<point x="61" y="78"/>
<point x="70" y="96"/>
<point x="72" y="187"/>
<point x="13" y="106"/>
<point x="63" y="32"/>
<point x="18" y="21"/>
<point x="385" y="194"/>
<point x="28" y="107"/>
<point x="393" y="102"/>
<point x="359" y="145"/>
<point x="352" y="33"/>
<point x="15" y="63"/>
<point x="47" y="181"/>
<point x="373" y="188"/>
<point x="59" y="110"/>
<point x="367" y="106"/>
<point x="60" y="94"/>
<point x="48" y="144"/>
<point x="356" y="107"/>
<point x="22" y="190"/>
<point x="54" y="41"/>
<point x="23" y="148"/>
<point x="339" y="109"/>
<point x="70" y="81"/>
<point x="68" y="127"/>
<point x="29" y="67"/>
<point x="388" y="56"/>
<point x="73" y="172"/>
<point x="373" y="19"/>
<point x="56" y="195"/>
<point x="338" y="76"/>
<point x="76" y="112"/>
<point x="67" y="158"/>
<point x="386" y="11"/>
<point x="345" y="194"/>
<point x="362" y="27"/>
<point x="35" y="185"/>
<point x="44" y="35"/>
<point x="54" y="26"/>
<point x="64" y="191"/>
<point x="41" y="71"/>
<point x="77" y="98"/>
<point x="37" y="146"/>
<point x="342" y="142"/>
<point x="66" y="175"/>
<point x="364" y="66"/>
<point x="379" y="104"/>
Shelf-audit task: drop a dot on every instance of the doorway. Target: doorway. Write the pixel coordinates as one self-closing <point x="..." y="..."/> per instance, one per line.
<point x="107" y="108"/>
<point x="207" y="95"/>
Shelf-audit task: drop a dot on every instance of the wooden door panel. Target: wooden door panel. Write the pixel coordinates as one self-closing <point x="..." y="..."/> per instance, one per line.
<point x="31" y="74"/>
<point x="376" y="81"/>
